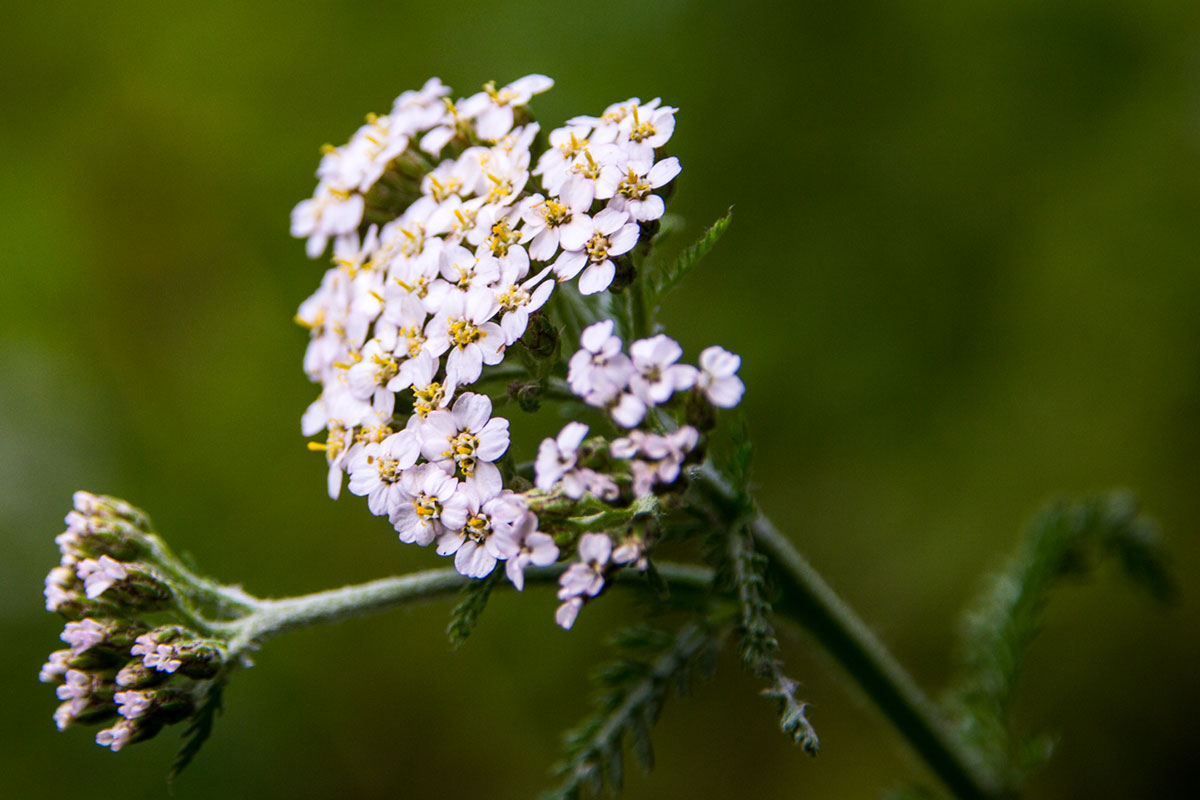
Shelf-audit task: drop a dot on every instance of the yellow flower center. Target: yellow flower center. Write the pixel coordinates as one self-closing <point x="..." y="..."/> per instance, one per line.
<point x="634" y="187"/>
<point x="463" y="332"/>
<point x="597" y="248"/>
<point x="427" y="399"/>
<point x="462" y="450"/>
<point x="554" y="213"/>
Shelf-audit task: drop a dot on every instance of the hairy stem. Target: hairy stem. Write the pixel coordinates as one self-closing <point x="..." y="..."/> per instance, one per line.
<point x="273" y="617"/>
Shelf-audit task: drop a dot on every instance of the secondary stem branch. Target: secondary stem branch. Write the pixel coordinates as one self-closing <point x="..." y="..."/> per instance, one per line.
<point x="273" y="617"/>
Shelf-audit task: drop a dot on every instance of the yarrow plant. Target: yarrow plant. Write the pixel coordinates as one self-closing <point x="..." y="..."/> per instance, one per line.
<point x="482" y="265"/>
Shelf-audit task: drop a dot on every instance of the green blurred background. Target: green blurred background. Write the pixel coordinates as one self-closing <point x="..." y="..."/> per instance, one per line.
<point x="962" y="275"/>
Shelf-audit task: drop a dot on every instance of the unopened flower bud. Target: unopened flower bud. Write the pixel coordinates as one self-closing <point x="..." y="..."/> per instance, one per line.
<point x="55" y="669"/>
<point x="541" y="338"/>
<point x="63" y="590"/>
<point x="175" y="649"/>
<point x="528" y="394"/>
<point x="90" y="635"/>
<point x="93" y="537"/>
<point x="164" y="706"/>
<point x="136" y="675"/>
<point x="699" y="412"/>
<point x="625" y="274"/>
<point x="126" y="731"/>
<point x="129" y="584"/>
<point x="99" y="505"/>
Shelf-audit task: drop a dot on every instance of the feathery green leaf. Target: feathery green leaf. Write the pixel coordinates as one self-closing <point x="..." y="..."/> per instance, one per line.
<point x="634" y="690"/>
<point x="198" y="730"/>
<point x="1064" y="540"/>
<point x="661" y="281"/>
<point x="475" y="596"/>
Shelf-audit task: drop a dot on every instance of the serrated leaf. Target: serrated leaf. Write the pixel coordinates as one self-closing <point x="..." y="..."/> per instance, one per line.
<point x="465" y="615"/>
<point x="1064" y="540"/>
<point x="663" y="281"/>
<point x="595" y="747"/>
<point x="198" y="730"/>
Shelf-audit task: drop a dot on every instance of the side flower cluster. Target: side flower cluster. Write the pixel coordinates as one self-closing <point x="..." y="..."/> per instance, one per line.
<point x="448" y="234"/>
<point x="642" y="387"/>
<point x="118" y="668"/>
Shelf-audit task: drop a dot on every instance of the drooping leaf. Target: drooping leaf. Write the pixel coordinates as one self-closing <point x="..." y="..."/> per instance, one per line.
<point x="198" y="730"/>
<point x="474" y="600"/>
<point x="633" y="692"/>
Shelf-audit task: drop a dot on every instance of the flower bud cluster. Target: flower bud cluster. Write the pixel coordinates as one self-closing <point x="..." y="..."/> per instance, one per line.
<point x="114" y="576"/>
<point x="453" y="224"/>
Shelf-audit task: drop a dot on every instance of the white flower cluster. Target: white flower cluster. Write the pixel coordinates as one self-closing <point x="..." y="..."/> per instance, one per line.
<point x="446" y="237"/>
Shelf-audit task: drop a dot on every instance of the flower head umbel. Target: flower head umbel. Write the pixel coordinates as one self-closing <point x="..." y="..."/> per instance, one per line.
<point x="449" y="302"/>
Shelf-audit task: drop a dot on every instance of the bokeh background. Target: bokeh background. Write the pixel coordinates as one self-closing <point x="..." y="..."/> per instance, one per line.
<point x="963" y="276"/>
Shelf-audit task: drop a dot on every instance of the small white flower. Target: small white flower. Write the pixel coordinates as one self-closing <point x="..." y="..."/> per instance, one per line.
<point x="376" y="469"/>
<point x="77" y="685"/>
<point x="566" y="144"/>
<point x="631" y="189"/>
<point x="117" y="736"/>
<point x="156" y="654"/>
<point x="645" y="129"/>
<point x="464" y="328"/>
<point x="517" y="302"/>
<point x="599" y="371"/>
<point x="55" y="669"/>
<point x="557" y="457"/>
<point x="557" y="462"/>
<point x="376" y="376"/>
<point x="627" y="410"/>
<point x="132" y="703"/>
<point x="591" y="251"/>
<point x="479" y="530"/>
<point x="336" y="447"/>
<point x="465" y="441"/>
<point x="546" y="220"/>
<point x="492" y="109"/>
<point x="656" y="375"/>
<point x="585" y="577"/>
<point x="533" y="547"/>
<point x="566" y="613"/>
<point x="718" y="377"/>
<point x="663" y="456"/>
<point x="84" y="634"/>
<point x="428" y="394"/>
<point x="328" y="213"/>
<point x="425" y="490"/>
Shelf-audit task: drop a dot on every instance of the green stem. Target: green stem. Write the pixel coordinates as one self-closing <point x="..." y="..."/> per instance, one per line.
<point x="274" y="617"/>
<point x="637" y="309"/>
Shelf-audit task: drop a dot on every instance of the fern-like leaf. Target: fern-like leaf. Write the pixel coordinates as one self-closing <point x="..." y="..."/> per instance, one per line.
<point x="198" y="730"/>
<point x="474" y="600"/>
<point x="760" y="647"/>
<point x="632" y="695"/>
<point x="1064" y="540"/>
<point x="663" y="280"/>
